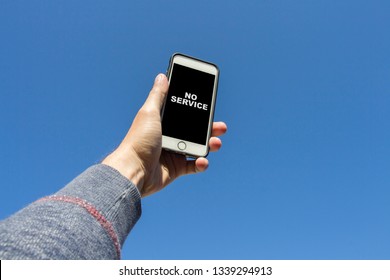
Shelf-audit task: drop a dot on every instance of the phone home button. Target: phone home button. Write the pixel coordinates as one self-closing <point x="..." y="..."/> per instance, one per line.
<point x="181" y="145"/>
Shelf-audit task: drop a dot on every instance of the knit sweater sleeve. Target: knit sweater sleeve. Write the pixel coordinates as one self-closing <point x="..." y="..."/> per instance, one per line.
<point x="89" y="218"/>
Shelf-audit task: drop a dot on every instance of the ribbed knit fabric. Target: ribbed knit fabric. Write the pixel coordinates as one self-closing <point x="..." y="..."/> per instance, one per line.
<point x="89" y="218"/>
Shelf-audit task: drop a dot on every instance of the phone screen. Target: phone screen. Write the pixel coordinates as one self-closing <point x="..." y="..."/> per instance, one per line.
<point x="188" y="105"/>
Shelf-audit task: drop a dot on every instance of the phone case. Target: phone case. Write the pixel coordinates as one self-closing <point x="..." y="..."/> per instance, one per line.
<point x="216" y="93"/>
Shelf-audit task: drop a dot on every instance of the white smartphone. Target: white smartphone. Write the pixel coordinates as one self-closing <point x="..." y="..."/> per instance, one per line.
<point x="188" y="113"/>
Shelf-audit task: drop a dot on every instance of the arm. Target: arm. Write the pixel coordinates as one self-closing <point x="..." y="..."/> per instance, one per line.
<point x="88" y="219"/>
<point x="91" y="217"/>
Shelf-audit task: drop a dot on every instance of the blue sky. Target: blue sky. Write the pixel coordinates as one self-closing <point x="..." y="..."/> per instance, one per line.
<point x="304" y="88"/>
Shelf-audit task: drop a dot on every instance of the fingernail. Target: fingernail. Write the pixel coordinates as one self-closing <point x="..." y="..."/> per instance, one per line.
<point x="159" y="78"/>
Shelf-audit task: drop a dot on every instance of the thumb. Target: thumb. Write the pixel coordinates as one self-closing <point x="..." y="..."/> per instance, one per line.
<point x="157" y="94"/>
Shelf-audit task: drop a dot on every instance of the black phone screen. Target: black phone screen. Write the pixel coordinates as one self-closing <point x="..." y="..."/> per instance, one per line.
<point x="188" y="105"/>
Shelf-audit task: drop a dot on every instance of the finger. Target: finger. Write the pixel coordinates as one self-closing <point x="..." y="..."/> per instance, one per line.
<point x="215" y="144"/>
<point x="201" y="164"/>
<point x="219" y="128"/>
<point x="198" y="165"/>
<point x="157" y="94"/>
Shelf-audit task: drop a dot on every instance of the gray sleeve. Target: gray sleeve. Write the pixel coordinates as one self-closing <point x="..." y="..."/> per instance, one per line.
<point x="89" y="218"/>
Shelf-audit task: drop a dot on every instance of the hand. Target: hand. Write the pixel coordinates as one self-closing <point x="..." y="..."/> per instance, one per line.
<point x="140" y="157"/>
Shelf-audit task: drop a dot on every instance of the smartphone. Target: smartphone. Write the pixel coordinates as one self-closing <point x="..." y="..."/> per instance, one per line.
<point x="188" y="112"/>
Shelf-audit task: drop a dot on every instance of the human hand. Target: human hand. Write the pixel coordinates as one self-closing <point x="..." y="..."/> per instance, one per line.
<point x="140" y="157"/>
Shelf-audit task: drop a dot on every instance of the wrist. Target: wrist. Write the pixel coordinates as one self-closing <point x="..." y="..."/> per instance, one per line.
<point x="130" y="169"/>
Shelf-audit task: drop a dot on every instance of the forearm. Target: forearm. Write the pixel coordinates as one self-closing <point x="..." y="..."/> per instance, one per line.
<point x="90" y="218"/>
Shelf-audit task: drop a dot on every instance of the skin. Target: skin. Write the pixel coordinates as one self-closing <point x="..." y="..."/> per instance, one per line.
<point x="140" y="157"/>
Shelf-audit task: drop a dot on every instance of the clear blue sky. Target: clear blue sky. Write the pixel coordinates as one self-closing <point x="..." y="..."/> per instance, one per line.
<point x="304" y="172"/>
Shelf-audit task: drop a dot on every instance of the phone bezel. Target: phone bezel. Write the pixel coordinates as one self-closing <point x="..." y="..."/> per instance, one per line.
<point x="192" y="149"/>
